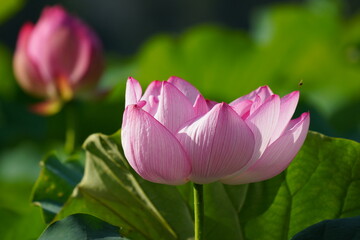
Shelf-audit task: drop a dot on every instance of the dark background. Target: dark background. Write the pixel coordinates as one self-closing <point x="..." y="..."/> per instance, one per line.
<point x="137" y="20"/>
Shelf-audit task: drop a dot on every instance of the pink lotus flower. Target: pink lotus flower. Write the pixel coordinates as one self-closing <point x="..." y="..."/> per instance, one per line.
<point x="58" y="56"/>
<point x="171" y="134"/>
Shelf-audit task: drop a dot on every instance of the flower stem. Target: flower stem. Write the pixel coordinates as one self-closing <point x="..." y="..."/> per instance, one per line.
<point x="198" y="211"/>
<point x="70" y="130"/>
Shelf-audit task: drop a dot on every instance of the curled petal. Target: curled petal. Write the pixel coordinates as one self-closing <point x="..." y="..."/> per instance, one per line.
<point x="153" y="152"/>
<point x="151" y="96"/>
<point x="242" y="108"/>
<point x="262" y="123"/>
<point x="218" y="144"/>
<point x="277" y="156"/>
<point x="152" y="105"/>
<point x="210" y="103"/>
<point x="133" y="91"/>
<point x="186" y="88"/>
<point x="257" y="102"/>
<point x="287" y="108"/>
<point x="263" y="92"/>
<point x="200" y="106"/>
<point x="174" y="108"/>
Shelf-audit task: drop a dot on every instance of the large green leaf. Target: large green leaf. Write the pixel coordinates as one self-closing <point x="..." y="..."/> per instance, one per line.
<point x="110" y="191"/>
<point x="81" y="227"/>
<point x="321" y="183"/>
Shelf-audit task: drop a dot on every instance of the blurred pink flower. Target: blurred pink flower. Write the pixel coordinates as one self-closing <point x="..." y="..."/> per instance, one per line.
<point x="57" y="57"/>
<point x="171" y="134"/>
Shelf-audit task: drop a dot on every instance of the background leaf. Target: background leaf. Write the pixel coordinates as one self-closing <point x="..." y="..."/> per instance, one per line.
<point x="55" y="184"/>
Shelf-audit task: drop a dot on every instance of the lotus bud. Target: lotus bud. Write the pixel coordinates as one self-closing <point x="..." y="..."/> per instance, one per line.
<point x="57" y="58"/>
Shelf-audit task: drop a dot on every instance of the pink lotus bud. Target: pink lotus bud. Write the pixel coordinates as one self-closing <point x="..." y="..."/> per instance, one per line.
<point x="171" y="134"/>
<point x="57" y="57"/>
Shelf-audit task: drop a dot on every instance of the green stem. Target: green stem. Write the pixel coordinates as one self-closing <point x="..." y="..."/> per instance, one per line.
<point x="70" y="130"/>
<point x="198" y="211"/>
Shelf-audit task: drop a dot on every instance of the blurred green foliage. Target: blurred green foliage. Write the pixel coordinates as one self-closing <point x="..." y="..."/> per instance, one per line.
<point x="7" y="83"/>
<point x="287" y="44"/>
<point x="9" y="7"/>
<point x="18" y="171"/>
